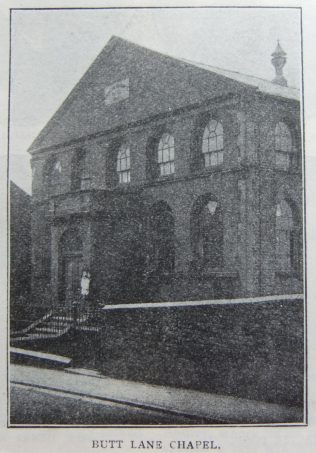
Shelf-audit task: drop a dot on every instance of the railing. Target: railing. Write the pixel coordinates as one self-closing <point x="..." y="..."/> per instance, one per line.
<point x="59" y="321"/>
<point x="77" y="314"/>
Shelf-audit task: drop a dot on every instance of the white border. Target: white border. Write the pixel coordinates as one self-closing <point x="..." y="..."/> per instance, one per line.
<point x="232" y="439"/>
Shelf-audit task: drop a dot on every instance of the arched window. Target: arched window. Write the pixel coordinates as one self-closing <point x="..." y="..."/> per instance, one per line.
<point x="80" y="171"/>
<point x="213" y="144"/>
<point x="287" y="238"/>
<point x="166" y="155"/>
<point x="207" y="233"/>
<point x="284" y="150"/>
<point x="124" y="164"/>
<point x="53" y="176"/>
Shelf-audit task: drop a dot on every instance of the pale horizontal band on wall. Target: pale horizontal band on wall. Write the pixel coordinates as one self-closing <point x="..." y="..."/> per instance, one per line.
<point x="196" y="303"/>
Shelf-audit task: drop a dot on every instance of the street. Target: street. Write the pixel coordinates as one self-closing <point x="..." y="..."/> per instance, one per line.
<point x="30" y="405"/>
<point x="81" y="396"/>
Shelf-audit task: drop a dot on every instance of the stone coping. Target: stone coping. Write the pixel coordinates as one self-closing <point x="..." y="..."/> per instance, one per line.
<point x="41" y="355"/>
<point x="197" y="303"/>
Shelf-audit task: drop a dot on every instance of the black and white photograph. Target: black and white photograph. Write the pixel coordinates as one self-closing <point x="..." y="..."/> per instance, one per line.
<point x="156" y="219"/>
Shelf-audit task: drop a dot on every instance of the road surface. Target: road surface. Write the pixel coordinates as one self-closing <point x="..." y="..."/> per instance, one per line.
<point x="30" y="405"/>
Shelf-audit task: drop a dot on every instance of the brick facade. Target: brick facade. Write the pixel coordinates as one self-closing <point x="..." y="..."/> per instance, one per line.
<point x="140" y="240"/>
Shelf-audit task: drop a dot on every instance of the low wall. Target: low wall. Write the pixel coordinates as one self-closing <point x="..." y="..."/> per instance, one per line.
<point x="247" y="348"/>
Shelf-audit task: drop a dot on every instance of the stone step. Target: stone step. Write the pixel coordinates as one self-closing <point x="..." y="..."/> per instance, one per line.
<point x="58" y="323"/>
<point x="89" y="328"/>
<point x="61" y="318"/>
<point x="47" y="329"/>
<point x="35" y="336"/>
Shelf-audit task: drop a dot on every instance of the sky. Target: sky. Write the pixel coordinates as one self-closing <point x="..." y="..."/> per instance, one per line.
<point x="51" y="50"/>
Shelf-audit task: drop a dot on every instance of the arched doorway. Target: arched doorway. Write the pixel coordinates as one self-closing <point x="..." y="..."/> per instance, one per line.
<point x="70" y="266"/>
<point x="162" y="240"/>
<point x="288" y="243"/>
<point x="207" y="233"/>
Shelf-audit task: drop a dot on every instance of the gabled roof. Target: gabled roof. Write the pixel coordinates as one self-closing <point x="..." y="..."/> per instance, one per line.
<point x="158" y="84"/>
<point x="262" y="85"/>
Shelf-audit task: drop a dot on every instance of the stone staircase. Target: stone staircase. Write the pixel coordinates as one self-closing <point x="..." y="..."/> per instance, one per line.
<point x="56" y="323"/>
<point x="50" y="326"/>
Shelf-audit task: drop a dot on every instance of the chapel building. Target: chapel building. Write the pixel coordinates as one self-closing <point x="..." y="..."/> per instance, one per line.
<point x="168" y="180"/>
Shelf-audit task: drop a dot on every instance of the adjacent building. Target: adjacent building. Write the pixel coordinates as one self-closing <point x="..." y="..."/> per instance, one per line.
<point x="20" y="253"/>
<point x="166" y="179"/>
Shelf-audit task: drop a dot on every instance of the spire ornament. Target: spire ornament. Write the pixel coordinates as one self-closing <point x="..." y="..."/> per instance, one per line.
<point x="278" y="60"/>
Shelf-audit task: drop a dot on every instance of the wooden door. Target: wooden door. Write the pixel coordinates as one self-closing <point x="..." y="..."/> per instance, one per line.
<point x="72" y="276"/>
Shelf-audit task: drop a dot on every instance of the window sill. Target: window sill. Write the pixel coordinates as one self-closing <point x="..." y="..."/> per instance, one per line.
<point x="163" y="180"/>
<point x="79" y="190"/>
<point x="166" y="177"/>
<point x="122" y="187"/>
<point x="208" y="170"/>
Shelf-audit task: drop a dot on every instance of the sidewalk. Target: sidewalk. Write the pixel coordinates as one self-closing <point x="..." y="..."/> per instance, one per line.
<point x="199" y="405"/>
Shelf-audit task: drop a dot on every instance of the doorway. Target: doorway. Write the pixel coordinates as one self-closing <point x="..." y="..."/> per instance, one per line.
<point x="71" y="267"/>
<point x="72" y="272"/>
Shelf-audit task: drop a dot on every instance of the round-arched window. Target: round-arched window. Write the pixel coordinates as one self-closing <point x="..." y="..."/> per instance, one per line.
<point x="166" y="155"/>
<point x="284" y="151"/>
<point x="213" y="144"/>
<point x="53" y="176"/>
<point x="80" y="178"/>
<point x="123" y="164"/>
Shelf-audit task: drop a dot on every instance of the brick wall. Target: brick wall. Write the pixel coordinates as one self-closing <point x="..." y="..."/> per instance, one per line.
<point x="250" y="350"/>
<point x="248" y="219"/>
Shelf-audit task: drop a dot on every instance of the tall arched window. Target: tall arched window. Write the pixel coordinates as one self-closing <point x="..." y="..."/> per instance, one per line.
<point x="80" y="179"/>
<point x="53" y="176"/>
<point x="287" y="238"/>
<point x="207" y="233"/>
<point x="166" y="155"/>
<point x="213" y="144"/>
<point x="284" y="151"/>
<point x="123" y="165"/>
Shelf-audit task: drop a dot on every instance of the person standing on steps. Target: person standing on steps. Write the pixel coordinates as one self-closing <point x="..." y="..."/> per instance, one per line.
<point x="85" y="287"/>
